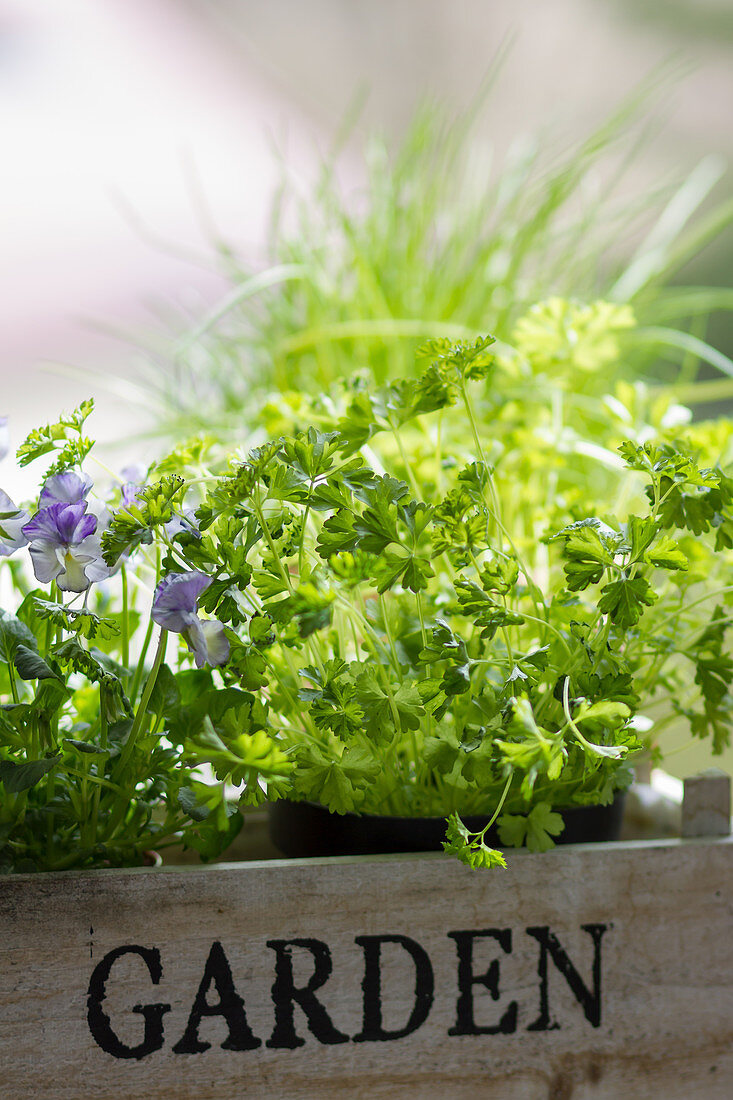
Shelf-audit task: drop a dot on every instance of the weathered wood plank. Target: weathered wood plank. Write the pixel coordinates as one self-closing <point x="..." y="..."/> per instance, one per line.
<point x="706" y="804"/>
<point x="590" y="972"/>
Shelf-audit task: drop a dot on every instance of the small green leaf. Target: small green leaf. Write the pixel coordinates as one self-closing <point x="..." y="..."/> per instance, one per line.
<point x="624" y="600"/>
<point x="81" y="621"/>
<point x="605" y="714"/>
<point x="212" y="836"/>
<point x="189" y="804"/>
<point x="21" y="777"/>
<point x="82" y="746"/>
<point x="13" y="633"/>
<point x="666" y="554"/>
<point x="165" y="695"/>
<point x="31" y="666"/>
<point x="587" y="556"/>
<point x="641" y="533"/>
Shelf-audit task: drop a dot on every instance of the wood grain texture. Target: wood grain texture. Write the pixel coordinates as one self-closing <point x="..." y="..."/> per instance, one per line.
<point x="666" y="970"/>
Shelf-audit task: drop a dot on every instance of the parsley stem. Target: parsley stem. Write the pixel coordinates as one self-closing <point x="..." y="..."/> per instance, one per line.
<point x="601" y="645"/>
<point x="548" y="626"/>
<point x="684" y="747"/>
<point x="497" y="811"/>
<point x="504" y="631"/>
<point x="405" y="461"/>
<point x="302" y="535"/>
<point x="11" y="677"/>
<point x="617" y="751"/>
<point x="102" y="760"/>
<point x="142" y="706"/>
<point x="141" y="662"/>
<point x="439" y="455"/>
<point x="97" y="779"/>
<point x="125" y="631"/>
<point x="496" y="512"/>
<point x="421" y="617"/>
<point x="284" y="688"/>
<point x="494" y="508"/>
<point x="372" y="639"/>
<point x="277" y="562"/>
<point x="682" y="645"/>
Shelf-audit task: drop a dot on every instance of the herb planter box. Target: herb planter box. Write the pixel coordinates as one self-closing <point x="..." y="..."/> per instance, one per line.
<point x="589" y="971"/>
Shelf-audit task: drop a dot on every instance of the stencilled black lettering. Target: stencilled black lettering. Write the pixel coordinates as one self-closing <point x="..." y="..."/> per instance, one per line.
<point x="550" y="947"/>
<point x="99" y="1022"/>
<point x="230" y="1005"/>
<point x="372" y="1027"/>
<point x="285" y="995"/>
<point x="465" y="1022"/>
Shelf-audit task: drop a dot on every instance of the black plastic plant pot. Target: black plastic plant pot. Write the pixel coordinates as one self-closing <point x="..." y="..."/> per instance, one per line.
<point x="302" y="829"/>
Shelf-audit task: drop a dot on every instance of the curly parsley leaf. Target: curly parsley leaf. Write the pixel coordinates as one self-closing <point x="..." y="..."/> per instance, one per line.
<point x="714" y="676"/>
<point x="470" y="848"/>
<point x="336" y="782"/>
<point x="79" y="621"/>
<point x="588" y="554"/>
<point x="468" y="360"/>
<point x="64" y="438"/>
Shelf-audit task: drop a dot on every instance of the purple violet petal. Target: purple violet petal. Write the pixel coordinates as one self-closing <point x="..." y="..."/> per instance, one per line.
<point x="130" y="492"/>
<point x="217" y="643"/>
<point x="183" y="524"/>
<point x="66" y="488"/>
<point x="63" y="524"/>
<point x="44" y="525"/>
<point x="46" y="564"/>
<point x="12" y="521"/>
<point x="97" y="569"/>
<point x="196" y="641"/>
<point x="85" y="527"/>
<point x="175" y="621"/>
<point x="104" y="518"/>
<point x="177" y="595"/>
<point x="207" y="641"/>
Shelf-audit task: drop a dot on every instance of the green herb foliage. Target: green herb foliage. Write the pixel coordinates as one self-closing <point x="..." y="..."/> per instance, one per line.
<point x="458" y="592"/>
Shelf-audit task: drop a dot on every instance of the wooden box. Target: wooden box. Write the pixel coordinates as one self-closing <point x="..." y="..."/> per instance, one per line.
<point x="594" y="971"/>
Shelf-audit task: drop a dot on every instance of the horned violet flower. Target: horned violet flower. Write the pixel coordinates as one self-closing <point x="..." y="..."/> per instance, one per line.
<point x="64" y="546"/>
<point x="174" y="608"/>
<point x="12" y="520"/>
